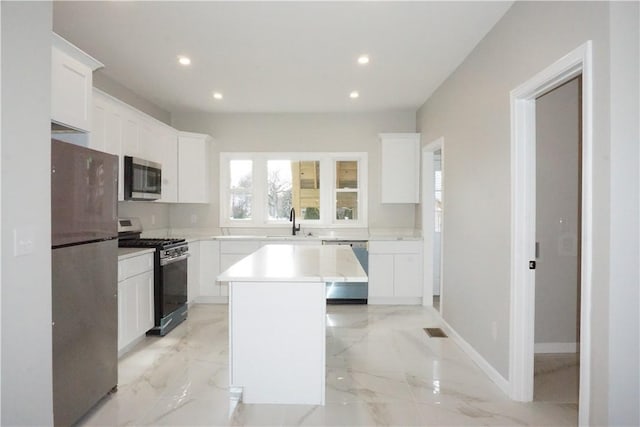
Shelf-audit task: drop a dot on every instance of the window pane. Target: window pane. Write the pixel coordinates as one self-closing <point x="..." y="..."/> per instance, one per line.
<point x="346" y="174"/>
<point x="279" y="189"/>
<point x="306" y="189"/>
<point x="240" y="205"/>
<point x="241" y="181"/>
<point x="241" y="174"/>
<point x="347" y="205"/>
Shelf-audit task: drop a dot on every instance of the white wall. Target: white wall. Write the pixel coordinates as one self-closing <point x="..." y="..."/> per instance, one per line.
<point x="472" y="111"/>
<point x="126" y="95"/>
<point x="624" y="326"/>
<point x="297" y="132"/>
<point x="25" y="373"/>
<point x="152" y="215"/>
<point x="557" y="206"/>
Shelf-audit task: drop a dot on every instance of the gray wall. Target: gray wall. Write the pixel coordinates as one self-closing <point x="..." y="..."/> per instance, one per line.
<point x="26" y="280"/>
<point x="297" y="132"/>
<point x="472" y="111"/>
<point x="557" y="205"/>
<point x="124" y="94"/>
<point x="624" y="327"/>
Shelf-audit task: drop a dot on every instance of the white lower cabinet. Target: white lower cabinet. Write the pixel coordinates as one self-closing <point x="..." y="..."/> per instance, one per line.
<point x="395" y="272"/>
<point x="135" y="299"/>
<point x="210" y="289"/>
<point x="232" y="252"/>
<point x="193" y="272"/>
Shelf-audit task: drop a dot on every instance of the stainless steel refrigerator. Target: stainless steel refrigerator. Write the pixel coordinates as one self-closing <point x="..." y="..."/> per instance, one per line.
<point x="84" y="192"/>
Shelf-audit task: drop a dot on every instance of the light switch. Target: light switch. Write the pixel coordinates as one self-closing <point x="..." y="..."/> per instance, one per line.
<point x="23" y="241"/>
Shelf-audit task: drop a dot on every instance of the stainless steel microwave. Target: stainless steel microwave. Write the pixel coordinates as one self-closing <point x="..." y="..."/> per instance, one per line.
<point x="142" y="179"/>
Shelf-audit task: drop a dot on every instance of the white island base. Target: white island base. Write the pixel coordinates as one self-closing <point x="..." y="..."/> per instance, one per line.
<point x="277" y="307"/>
<point x="277" y="341"/>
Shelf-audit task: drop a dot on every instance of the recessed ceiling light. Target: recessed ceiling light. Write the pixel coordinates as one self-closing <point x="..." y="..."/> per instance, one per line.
<point x="363" y="59"/>
<point x="354" y="94"/>
<point x="217" y="95"/>
<point x="183" y="60"/>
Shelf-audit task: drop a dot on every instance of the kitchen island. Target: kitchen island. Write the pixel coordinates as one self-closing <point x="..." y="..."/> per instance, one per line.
<point x="277" y="320"/>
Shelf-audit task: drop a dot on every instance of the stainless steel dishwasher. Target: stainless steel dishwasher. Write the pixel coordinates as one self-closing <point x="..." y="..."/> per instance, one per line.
<point x="350" y="292"/>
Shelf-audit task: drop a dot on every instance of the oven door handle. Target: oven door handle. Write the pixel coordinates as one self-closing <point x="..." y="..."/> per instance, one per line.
<point x="167" y="261"/>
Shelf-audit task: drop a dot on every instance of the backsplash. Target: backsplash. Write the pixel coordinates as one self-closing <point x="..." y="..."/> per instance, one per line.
<point x="152" y="215"/>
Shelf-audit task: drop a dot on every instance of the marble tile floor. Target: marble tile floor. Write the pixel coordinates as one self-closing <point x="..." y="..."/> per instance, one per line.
<point x="556" y="377"/>
<point x="382" y="370"/>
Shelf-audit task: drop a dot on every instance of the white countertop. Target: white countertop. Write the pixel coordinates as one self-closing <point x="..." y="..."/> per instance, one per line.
<point x="124" y="253"/>
<point x="297" y="263"/>
<point x="194" y="234"/>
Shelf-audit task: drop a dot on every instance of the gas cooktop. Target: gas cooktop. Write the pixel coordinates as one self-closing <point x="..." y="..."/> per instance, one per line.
<point x="149" y="243"/>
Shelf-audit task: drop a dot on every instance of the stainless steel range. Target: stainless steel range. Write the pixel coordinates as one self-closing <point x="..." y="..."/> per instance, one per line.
<point x="170" y="274"/>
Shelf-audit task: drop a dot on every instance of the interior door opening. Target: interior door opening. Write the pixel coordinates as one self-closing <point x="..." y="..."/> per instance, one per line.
<point x="433" y="222"/>
<point x="558" y="241"/>
<point x="437" y="226"/>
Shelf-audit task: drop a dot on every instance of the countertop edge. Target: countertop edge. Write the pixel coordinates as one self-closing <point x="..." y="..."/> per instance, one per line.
<point x="126" y="253"/>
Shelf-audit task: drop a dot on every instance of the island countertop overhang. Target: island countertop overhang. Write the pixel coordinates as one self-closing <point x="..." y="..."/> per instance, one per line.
<point x="295" y="263"/>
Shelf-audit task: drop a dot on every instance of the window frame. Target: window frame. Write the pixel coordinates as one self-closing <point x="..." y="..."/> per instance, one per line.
<point x="260" y="209"/>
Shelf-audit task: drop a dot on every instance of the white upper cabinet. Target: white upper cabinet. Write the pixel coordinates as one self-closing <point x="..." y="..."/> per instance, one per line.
<point x="400" y="164"/>
<point x="193" y="167"/>
<point x="166" y="142"/>
<point x="71" y="84"/>
<point x="120" y="129"/>
<point x="107" y="131"/>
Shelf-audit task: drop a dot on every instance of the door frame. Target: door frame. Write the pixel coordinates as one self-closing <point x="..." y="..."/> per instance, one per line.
<point x="523" y="219"/>
<point x="428" y="219"/>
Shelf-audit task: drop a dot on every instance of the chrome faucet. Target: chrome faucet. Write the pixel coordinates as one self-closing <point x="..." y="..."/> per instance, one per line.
<point x="292" y="217"/>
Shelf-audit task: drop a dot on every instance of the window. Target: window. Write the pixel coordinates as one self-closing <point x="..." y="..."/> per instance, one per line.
<point x="325" y="189"/>
<point x="279" y="189"/>
<point x="241" y="180"/>
<point x="346" y="190"/>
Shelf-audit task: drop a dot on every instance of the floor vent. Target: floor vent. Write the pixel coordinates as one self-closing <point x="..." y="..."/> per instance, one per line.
<point x="435" y="332"/>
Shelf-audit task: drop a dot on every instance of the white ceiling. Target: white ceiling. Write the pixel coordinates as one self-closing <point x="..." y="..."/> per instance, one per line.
<point x="278" y="56"/>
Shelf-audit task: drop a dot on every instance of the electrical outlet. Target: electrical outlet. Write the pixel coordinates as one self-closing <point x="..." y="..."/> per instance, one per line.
<point x="23" y="241"/>
<point x="194" y="218"/>
<point x="153" y="220"/>
<point x="494" y="330"/>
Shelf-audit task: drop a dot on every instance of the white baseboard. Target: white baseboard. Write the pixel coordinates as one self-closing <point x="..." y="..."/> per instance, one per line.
<point x="394" y="300"/>
<point x="556" y="347"/>
<point x="482" y="363"/>
<point x="212" y="300"/>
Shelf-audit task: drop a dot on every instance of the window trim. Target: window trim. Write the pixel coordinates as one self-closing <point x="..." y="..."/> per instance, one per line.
<point x="259" y="213"/>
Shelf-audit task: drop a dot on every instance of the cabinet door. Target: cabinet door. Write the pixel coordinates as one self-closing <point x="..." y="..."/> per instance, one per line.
<point x="114" y="129"/>
<point x="193" y="168"/>
<point x="193" y="272"/>
<point x="400" y="177"/>
<point x="71" y="90"/>
<point x="167" y="147"/>
<point x="210" y="268"/>
<point x="145" y="303"/>
<point x="130" y="135"/>
<point x="408" y="275"/>
<point x="381" y="275"/>
<point x="106" y="132"/>
<point x="97" y="138"/>
<point x="127" y="312"/>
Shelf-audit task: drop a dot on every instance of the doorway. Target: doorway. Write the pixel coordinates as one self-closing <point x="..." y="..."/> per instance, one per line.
<point x="523" y="223"/>
<point x="432" y="222"/>
<point x="557" y="275"/>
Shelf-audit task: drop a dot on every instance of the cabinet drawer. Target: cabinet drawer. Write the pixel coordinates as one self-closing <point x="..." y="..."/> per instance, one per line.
<point x="133" y="266"/>
<point x="239" y="247"/>
<point x="395" y="247"/>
